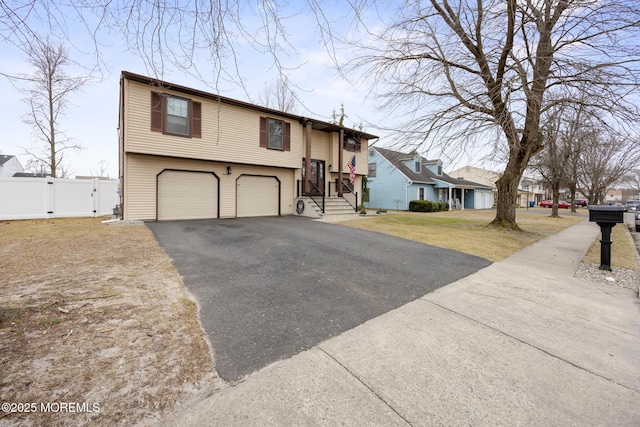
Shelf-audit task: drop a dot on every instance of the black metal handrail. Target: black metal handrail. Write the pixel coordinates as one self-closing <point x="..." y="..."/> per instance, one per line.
<point x="349" y="190"/>
<point x="345" y="189"/>
<point x="315" y="187"/>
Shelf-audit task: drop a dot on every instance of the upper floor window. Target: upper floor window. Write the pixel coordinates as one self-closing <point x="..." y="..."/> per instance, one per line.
<point x="275" y="134"/>
<point x="439" y="170"/>
<point x="275" y="141"/>
<point x="177" y="116"/>
<point x="352" y="144"/>
<point x="174" y="115"/>
<point x="372" y="170"/>
<point x="418" y="168"/>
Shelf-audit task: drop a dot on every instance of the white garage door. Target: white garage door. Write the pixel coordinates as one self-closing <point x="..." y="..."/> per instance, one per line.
<point x="187" y="195"/>
<point x="484" y="199"/>
<point x="257" y="196"/>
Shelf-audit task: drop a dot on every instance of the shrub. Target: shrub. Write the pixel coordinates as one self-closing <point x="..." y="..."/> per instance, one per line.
<point x="427" y="206"/>
<point x="420" y="206"/>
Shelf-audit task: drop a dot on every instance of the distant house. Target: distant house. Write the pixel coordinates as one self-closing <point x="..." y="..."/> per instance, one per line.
<point x="396" y="178"/>
<point x="529" y="190"/>
<point x="102" y="178"/>
<point x="30" y="175"/>
<point x="10" y="165"/>
<point x="613" y="196"/>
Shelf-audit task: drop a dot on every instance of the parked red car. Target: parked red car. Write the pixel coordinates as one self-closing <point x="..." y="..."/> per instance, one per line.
<point x="549" y="203"/>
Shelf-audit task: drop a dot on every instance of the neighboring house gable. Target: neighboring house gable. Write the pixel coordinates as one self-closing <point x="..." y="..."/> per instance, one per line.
<point x="482" y="176"/>
<point x="613" y="196"/>
<point x="186" y="154"/>
<point x="400" y="178"/>
<point x="10" y="165"/>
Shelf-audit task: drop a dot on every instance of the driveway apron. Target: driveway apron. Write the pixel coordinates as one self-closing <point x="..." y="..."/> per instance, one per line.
<point x="269" y="288"/>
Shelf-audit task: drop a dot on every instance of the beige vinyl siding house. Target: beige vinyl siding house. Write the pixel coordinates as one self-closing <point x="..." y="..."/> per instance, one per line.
<point x="188" y="154"/>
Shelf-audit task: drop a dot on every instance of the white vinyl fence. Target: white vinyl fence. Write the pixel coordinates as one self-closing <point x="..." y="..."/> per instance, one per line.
<point x="33" y="198"/>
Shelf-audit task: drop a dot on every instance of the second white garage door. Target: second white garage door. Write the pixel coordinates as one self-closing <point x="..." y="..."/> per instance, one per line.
<point x="187" y="195"/>
<point x="258" y="196"/>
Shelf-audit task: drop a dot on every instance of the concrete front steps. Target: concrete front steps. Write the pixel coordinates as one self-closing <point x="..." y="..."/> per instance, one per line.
<point x="332" y="206"/>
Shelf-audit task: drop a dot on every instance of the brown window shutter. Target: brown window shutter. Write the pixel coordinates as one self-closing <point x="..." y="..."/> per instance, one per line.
<point x="264" y="136"/>
<point x="156" y="112"/>
<point x="196" y="120"/>
<point x="286" y="145"/>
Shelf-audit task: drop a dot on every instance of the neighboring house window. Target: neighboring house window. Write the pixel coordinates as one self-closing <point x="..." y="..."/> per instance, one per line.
<point x="420" y="193"/>
<point x="372" y="170"/>
<point x="417" y="168"/>
<point x="352" y="144"/>
<point x="275" y="134"/>
<point x="175" y="115"/>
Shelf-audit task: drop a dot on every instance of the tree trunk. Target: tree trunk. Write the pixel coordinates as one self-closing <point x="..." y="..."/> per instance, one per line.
<point x="555" y="187"/>
<point x="52" y="124"/>
<point x="572" y="192"/>
<point x="507" y="186"/>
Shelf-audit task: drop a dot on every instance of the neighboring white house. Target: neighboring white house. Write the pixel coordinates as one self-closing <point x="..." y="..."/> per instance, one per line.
<point x="529" y="190"/>
<point x="9" y="165"/>
<point x="613" y="196"/>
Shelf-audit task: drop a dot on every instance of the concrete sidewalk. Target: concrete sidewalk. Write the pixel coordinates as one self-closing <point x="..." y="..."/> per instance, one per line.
<point x="521" y="342"/>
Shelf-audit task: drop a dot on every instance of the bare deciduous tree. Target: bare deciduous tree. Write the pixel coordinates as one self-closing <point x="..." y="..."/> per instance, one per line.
<point x="279" y="96"/>
<point x="460" y="70"/>
<point x="103" y="166"/>
<point x="632" y="182"/>
<point x="165" y="35"/>
<point x="47" y="91"/>
<point x="607" y="157"/>
<point x="464" y="73"/>
<point x="551" y="162"/>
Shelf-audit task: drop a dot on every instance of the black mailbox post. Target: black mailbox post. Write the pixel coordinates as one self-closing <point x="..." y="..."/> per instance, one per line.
<point x="606" y="217"/>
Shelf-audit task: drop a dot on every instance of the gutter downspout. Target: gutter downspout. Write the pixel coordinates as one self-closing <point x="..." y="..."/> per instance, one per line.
<point x="406" y="194"/>
<point x="121" y="148"/>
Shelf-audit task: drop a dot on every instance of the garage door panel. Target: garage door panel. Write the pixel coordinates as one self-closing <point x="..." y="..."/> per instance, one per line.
<point x="187" y="195"/>
<point x="257" y="196"/>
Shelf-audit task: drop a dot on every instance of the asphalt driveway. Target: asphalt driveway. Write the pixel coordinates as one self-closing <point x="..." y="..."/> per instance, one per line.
<point x="269" y="288"/>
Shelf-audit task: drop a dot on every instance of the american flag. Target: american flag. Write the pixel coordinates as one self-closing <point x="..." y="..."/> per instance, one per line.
<point x="352" y="169"/>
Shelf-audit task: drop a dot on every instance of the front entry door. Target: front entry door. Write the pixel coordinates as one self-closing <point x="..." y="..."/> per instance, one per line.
<point x="316" y="177"/>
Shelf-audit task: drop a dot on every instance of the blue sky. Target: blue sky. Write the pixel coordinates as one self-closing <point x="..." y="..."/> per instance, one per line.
<point x="91" y="120"/>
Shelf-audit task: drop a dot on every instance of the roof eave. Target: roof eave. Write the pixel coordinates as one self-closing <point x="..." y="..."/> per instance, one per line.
<point x="316" y="124"/>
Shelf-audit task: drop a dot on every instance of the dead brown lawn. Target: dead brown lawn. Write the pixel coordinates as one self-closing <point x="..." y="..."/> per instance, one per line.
<point x="468" y="231"/>
<point x="96" y="314"/>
